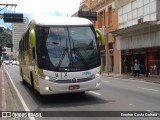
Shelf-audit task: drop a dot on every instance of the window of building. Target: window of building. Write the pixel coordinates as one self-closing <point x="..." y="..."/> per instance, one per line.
<point x="110" y="45"/>
<point x="101" y="19"/>
<point x="110" y="15"/>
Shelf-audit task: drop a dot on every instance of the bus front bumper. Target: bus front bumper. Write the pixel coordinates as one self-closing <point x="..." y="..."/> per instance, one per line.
<point x="48" y="87"/>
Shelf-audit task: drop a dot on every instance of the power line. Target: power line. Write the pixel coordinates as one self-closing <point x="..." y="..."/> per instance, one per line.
<point x="6" y="5"/>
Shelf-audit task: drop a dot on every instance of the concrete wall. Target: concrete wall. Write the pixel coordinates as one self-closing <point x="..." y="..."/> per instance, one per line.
<point x="18" y="30"/>
<point x="158" y="9"/>
<point x="131" y="11"/>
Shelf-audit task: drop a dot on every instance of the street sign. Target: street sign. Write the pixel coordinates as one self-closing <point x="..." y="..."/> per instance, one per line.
<point x="128" y="52"/>
<point x="15" y="18"/>
<point x="88" y="14"/>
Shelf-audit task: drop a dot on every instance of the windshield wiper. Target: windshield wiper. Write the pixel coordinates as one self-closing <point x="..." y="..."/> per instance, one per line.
<point x="63" y="55"/>
<point x="80" y="55"/>
<point x="55" y="43"/>
<point x="61" y="59"/>
<point x="87" y="48"/>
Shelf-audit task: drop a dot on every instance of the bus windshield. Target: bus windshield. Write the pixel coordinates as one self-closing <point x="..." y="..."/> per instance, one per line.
<point x="67" y="48"/>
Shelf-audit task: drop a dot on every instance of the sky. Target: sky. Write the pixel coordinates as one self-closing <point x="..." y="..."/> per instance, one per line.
<point x="36" y="8"/>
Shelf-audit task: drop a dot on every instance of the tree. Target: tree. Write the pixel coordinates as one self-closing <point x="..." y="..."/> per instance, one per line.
<point x="5" y="37"/>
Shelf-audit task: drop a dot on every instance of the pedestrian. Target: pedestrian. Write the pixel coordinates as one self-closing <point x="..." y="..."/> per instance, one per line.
<point x="154" y="69"/>
<point x="136" y="68"/>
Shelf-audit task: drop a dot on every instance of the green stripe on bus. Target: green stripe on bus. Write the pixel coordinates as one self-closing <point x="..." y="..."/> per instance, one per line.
<point x="40" y="71"/>
<point x="101" y="36"/>
<point x="32" y="38"/>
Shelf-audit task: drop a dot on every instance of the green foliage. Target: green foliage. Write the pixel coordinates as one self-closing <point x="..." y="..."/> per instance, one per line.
<point x="5" y="36"/>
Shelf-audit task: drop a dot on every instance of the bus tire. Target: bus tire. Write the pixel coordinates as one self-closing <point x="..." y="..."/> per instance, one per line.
<point x="32" y="84"/>
<point x="23" y="81"/>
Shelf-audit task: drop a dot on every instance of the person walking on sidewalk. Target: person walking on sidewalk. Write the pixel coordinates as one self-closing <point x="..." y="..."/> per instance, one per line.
<point x="136" y="68"/>
<point x="154" y="69"/>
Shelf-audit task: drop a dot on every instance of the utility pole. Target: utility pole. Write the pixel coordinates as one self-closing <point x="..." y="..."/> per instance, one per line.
<point x="106" y="34"/>
<point x="108" y="66"/>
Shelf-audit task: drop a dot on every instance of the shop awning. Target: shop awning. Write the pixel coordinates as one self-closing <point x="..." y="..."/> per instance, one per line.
<point x="135" y="27"/>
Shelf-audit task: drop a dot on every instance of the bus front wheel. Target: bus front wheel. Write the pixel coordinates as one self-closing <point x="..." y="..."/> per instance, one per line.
<point x="23" y="81"/>
<point x="33" y="87"/>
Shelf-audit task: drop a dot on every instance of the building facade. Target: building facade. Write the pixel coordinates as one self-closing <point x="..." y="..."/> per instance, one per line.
<point x="107" y="21"/>
<point x="138" y="35"/>
<point x="17" y="30"/>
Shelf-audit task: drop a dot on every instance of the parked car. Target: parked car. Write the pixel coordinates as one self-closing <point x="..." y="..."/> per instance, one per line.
<point x="14" y="63"/>
<point x="17" y="62"/>
<point x="7" y="62"/>
<point x="11" y="61"/>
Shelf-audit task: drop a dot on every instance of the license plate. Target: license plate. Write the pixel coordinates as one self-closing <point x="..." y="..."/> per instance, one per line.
<point x="73" y="87"/>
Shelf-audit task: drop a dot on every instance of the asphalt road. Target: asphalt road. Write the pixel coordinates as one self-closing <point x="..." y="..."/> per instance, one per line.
<point x="115" y="95"/>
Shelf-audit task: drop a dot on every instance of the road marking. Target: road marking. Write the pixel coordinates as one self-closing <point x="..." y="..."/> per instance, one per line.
<point x="19" y="95"/>
<point x="148" y="110"/>
<point x="95" y="93"/>
<point x="130" y="104"/>
<point x="148" y="89"/>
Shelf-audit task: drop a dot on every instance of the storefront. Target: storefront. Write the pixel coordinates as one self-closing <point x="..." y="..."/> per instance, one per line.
<point x="142" y="42"/>
<point x="129" y="56"/>
<point x="126" y="60"/>
<point x="153" y="61"/>
<point x="141" y="56"/>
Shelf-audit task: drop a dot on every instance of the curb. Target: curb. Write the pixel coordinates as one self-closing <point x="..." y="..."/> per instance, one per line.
<point x="3" y="92"/>
<point x="129" y="78"/>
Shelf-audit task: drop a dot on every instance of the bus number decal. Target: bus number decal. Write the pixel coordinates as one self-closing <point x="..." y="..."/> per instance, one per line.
<point x="86" y="73"/>
<point x="61" y="74"/>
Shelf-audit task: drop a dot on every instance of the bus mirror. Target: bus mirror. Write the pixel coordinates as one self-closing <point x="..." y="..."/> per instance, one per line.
<point x="32" y="38"/>
<point x="101" y="35"/>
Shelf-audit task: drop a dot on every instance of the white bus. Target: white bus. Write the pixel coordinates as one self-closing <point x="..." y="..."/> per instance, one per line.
<point x="60" y="55"/>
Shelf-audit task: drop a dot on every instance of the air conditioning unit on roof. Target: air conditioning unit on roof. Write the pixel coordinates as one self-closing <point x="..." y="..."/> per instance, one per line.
<point x="140" y="20"/>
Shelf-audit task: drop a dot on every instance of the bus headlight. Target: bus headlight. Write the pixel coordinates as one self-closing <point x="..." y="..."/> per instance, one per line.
<point x="48" y="89"/>
<point x="46" y="78"/>
<point x="98" y="84"/>
<point x="97" y="75"/>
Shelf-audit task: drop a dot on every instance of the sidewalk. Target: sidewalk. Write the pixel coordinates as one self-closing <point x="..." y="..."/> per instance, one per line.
<point x="151" y="78"/>
<point x="8" y="102"/>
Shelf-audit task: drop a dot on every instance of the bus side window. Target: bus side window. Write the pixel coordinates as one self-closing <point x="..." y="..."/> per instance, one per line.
<point x="33" y="51"/>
